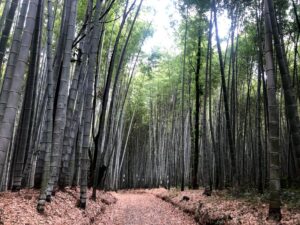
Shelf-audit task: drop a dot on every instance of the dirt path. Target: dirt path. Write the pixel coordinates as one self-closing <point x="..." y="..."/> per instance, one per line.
<point x="142" y="209"/>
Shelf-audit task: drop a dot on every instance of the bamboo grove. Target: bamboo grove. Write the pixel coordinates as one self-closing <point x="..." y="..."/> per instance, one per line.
<point x="82" y="105"/>
<point x="67" y="67"/>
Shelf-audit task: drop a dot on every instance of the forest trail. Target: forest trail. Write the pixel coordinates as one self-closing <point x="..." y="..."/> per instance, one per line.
<point x="143" y="209"/>
<point x="139" y="207"/>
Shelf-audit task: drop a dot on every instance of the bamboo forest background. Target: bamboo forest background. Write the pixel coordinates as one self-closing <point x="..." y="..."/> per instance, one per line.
<point x="82" y="104"/>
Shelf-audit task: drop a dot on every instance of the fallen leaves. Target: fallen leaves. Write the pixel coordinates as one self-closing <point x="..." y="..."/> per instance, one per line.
<point x="141" y="208"/>
<point x="20" y="208"/>
<point x="138" y="207"/>
<point x="217" y="209"/>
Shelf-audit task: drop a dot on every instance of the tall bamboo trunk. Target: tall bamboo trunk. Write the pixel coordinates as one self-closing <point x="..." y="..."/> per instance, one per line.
<point x="273" y="138"/>
<point x="49" y="113"/>
<point x="225" y="97"/>
<point x="197" y="117"/>
<point x="289" y="95"/>
<point x="61" y="101"/>
<point x="6" y="29"/>
<point x="13" y="55"/>
<point x="88" y="103"/>
<point x="96" y="171"/>
<point x="9" y="116"/>
<point x="182" y="104"/>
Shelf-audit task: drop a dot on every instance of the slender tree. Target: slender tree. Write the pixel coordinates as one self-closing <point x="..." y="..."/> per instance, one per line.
<point x="182" y="103"/>
<point x="274" y="207"/>
<point x="6" y="29"/>
<point x="225" y="96"/>
<point x="289" y="95"/>
<point x="197" y="117"/>
<point x="61" y="100"/>
<point x="7" y="122"/>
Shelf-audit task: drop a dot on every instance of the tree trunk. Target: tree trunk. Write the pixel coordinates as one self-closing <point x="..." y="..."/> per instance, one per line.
<point x="6" y="29"/>
<point x="182" y="104"/>
<point x="25" y="124"/>
<point x="61" y="101"/>
<point x="289" y="95"/>
<point x="225" y="96"/>
<point x="49" y="113"/>
<point x="9" y="116"/>
<point x="274" y="148"/>
<point x="197" y="117"/>
<point x="98" y="159"/>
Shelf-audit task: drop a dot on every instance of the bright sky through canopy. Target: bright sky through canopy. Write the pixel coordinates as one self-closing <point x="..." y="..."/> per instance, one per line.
<point x="163" y="13"/>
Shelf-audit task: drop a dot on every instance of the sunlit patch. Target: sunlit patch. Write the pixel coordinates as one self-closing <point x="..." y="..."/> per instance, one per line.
<point x="166" y="19"/>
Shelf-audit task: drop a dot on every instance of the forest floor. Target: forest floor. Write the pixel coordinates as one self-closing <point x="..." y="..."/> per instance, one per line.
<point x="19" y="208"/>
<point x="143" y="208"/>
<point x="140" y="207"/>
<point x="224" y="208"/>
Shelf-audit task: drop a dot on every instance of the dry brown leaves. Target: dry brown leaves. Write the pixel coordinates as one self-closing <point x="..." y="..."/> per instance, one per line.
<point x="219" y="210"/>
<point x="137" y="207"/>
<point x="20" y="208"/>
<point x="141" y="208"/>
